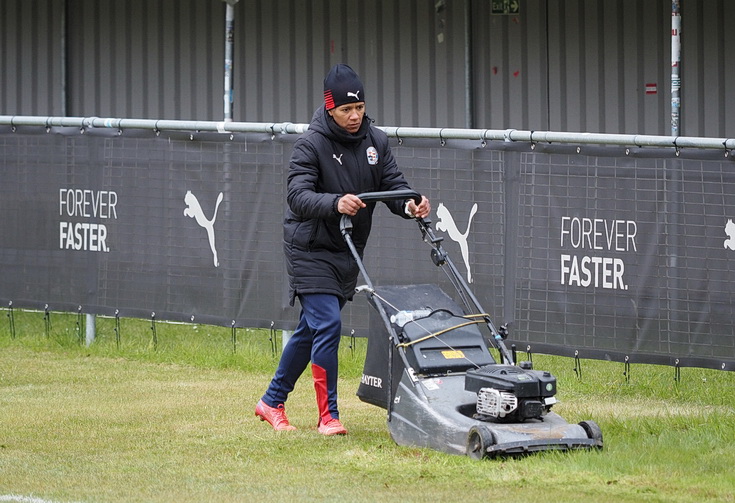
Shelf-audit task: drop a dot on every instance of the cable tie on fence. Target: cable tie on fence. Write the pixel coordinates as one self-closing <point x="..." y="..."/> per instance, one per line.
<point x="626" y="372"/>
<point x="483" y="143"/>
<point x="153" y="330"/>
<point x="442" y="141"/>
<point x="155" y="128"/>
<point x="676" y="147"/>
<point x="47" y="321"/>
<point x="272" y="339"/>
<point x="273" y="131"/>
<point x="352" y="342"/>
<point x="529" y="355"/>
<point x="234" y="337"/>
<point x="79" y="324"/>
<point x="117" y="328"/>
<point x="11" y="319"/>
<point x="400" y="140"/>
<point x="677" y="371"/>
<point x="577" y="364"/>
<point x="12" y="126"/>
<point x="533" y="143"/>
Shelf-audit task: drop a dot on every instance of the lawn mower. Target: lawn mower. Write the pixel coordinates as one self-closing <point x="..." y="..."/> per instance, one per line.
<point x="433" y="371"/>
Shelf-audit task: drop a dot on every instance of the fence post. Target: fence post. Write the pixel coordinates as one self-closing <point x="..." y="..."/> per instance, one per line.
<point x="90" y="328"/>
<point x="285" y="336"/>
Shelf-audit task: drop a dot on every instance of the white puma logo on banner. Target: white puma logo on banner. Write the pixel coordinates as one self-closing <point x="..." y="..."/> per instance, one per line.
<point x="194" y="210"/>
<point x="446" y="224"/>
<point x="730" y="231"/>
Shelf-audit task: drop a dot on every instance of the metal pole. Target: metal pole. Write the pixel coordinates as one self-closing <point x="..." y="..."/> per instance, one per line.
<point x="469" y="90"/>
<point x="229" y="50"/>
<point x="64" y="30"/>
<point x="286" y="128"/>
<point x="90" y="329"/>
<point x="675" y="66"/>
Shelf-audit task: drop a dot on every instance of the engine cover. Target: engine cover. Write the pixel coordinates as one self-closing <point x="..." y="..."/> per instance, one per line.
<point x="508" y="393"/>
<point x="522" y="383"/>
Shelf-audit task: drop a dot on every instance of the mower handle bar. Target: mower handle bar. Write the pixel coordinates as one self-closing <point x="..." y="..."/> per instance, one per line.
<point x="345" y="224"/>
<point x="390" y="195"/>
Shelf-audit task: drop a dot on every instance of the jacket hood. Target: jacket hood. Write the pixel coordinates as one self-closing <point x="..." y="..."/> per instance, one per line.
<point x="323" y="123"/>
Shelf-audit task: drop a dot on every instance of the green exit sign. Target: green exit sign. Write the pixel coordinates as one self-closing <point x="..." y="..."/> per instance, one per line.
<point x="506" y="6"/>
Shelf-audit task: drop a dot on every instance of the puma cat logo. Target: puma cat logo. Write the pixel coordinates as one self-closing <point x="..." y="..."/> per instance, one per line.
<point x="194" y="210"/>
<point x="338" y="159"/>
<point x="446" y="224"/>
<point x="730" y="231"/>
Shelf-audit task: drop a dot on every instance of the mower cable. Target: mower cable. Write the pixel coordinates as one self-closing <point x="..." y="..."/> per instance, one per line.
<point x="440" y="332"/>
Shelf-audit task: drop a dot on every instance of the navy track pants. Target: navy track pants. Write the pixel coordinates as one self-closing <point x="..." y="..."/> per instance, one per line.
<point x="315" y="339"/>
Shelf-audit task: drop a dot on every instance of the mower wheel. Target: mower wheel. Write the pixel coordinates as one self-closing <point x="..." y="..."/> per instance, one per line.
<point x="593" y="431"/>
<point x="478" y="440"/>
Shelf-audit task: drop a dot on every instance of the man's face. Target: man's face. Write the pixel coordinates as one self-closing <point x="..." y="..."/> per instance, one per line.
<point x="349" y="116"/>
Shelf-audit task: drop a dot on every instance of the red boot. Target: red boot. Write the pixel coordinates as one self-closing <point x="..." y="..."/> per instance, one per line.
<point x="327" y="425"/>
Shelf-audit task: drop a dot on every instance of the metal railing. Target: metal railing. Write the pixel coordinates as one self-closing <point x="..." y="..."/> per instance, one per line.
<point x="274" y="128"/>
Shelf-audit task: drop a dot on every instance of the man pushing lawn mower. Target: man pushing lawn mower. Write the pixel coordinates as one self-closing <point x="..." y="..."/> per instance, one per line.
<point x="341" y="155"/>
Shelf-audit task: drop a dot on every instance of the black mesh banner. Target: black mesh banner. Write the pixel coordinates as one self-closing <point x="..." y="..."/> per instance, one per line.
<point x="600" y="252"/>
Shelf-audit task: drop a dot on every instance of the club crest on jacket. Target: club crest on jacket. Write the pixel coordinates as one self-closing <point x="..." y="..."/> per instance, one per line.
<point x="372" y="155"/>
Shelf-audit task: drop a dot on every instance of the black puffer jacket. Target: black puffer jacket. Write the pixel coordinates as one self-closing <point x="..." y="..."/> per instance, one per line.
<point x="327" y="163"/>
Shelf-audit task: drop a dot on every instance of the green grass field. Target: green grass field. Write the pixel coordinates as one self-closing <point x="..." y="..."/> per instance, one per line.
<point x="175" y="422"/>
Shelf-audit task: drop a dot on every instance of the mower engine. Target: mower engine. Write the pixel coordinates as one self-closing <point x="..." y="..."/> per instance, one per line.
<point x="506" y="393"/>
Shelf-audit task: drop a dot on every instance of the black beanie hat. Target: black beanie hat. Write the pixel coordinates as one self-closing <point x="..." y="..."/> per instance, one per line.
<point x="342" y="85"/>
